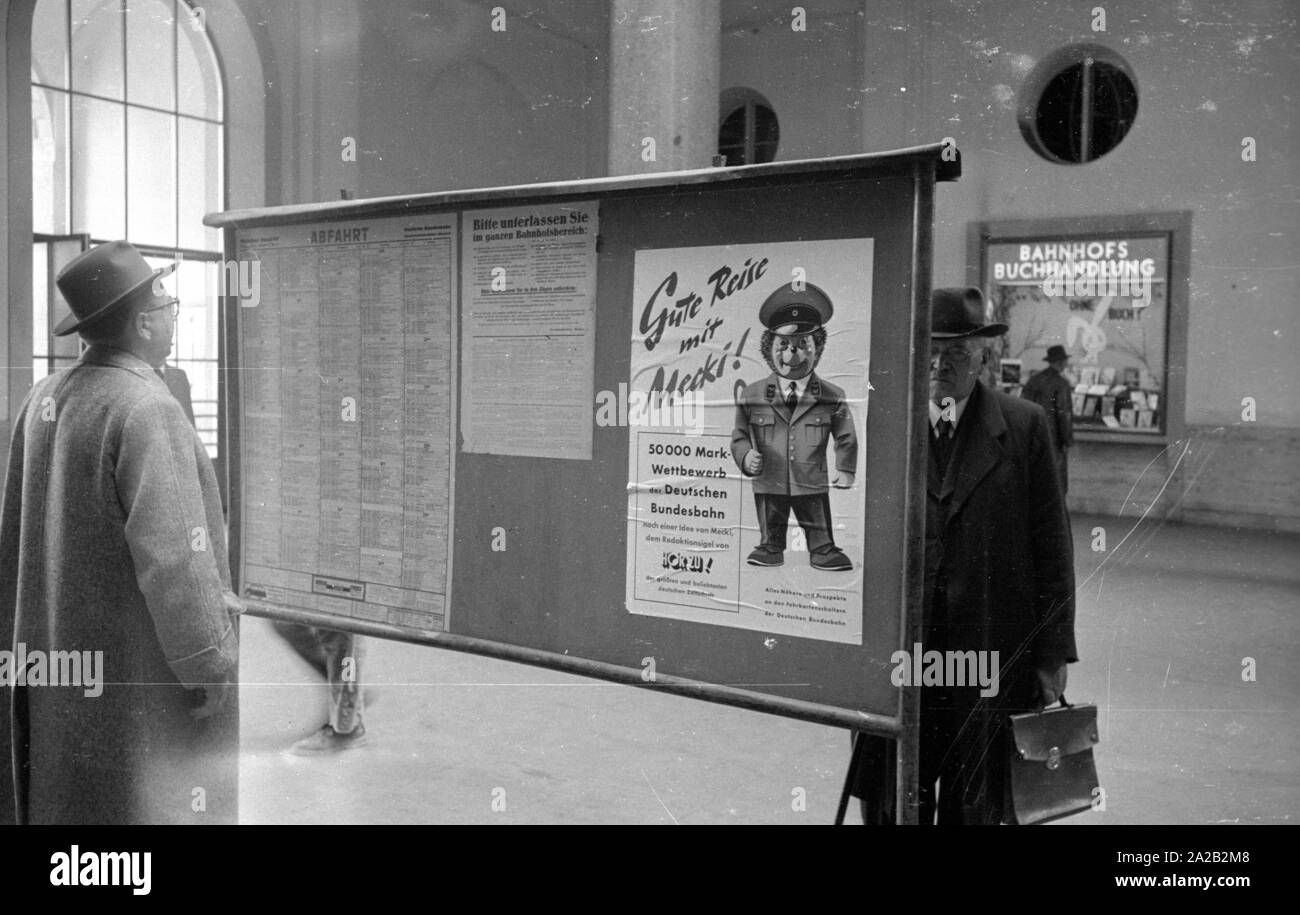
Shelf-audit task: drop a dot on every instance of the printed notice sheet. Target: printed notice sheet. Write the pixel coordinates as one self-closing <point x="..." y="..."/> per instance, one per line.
<point x="346" y="373"/>
<point x="529" y="330"/>
<point x="746" y="415"/>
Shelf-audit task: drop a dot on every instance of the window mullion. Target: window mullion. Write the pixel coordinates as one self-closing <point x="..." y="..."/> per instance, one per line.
<point x="1085" y="119"/>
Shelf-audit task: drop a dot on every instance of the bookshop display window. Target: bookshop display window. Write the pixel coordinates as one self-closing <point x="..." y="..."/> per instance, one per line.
<point x="1106" y="291"/>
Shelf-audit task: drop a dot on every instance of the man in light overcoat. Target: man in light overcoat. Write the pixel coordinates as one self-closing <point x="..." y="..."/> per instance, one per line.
<point x="112" y="546"/>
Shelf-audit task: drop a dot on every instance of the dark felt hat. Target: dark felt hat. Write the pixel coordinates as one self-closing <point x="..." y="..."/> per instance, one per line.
<point x="1056" y="353"/>
<point x="956" y="312"/>
<point x="102" y="279"/>
<point x="807" y="308"/>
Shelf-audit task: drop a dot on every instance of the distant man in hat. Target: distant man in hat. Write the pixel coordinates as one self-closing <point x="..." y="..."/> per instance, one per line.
<point x="112" y="541"/>
<point x="999" y="576"/>
<point x="784" y="425"/>
<point x="1052" y="392"/>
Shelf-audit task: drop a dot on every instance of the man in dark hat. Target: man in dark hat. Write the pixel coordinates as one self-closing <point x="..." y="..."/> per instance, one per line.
<point x="1051" y="391"/>
<point x="999" y="575"/>
<point x="783" y="426"/>
<point x="113" y="541"/>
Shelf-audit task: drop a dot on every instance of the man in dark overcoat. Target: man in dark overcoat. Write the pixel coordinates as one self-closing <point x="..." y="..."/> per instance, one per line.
<point x="112" y="541"/>
<point x="999" y="576"/>
<point x="1051" y="391"/>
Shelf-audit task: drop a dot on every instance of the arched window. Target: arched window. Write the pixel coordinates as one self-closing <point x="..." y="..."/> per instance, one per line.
<point x="127" y="142"/>
<point x="749" y="132"/>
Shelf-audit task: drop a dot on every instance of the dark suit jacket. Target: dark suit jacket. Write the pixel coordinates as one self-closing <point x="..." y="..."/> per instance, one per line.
<point x="179" y="384"/>
<point x="999" y="576"/>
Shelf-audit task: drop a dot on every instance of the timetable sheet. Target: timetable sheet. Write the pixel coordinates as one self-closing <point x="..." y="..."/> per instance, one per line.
<point x="346" y="385"/>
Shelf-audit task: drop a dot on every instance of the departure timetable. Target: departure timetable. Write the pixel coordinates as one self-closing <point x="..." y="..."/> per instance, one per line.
<point x="346" y="380"/>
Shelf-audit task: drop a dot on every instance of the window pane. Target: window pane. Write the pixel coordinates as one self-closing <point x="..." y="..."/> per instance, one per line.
<point x="150" y="54"/>
<point x="200" y="190"/>
<point x="49" y="161"/>
<point x="40" y="298"/>
<point x="196" y="326"/>
<point x="196" y="68"/>
<point x="50" y="43"/>
<point x="97" y="47"/>
<point x="49" y="306"/>
<point x="151" y="178"/>
<point x="195" y="347"/>
<point x="98" y="168"/>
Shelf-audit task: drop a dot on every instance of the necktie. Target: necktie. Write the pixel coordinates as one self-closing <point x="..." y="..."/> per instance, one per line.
<point x="792" y="397"/>
<point x="943" y="441"/>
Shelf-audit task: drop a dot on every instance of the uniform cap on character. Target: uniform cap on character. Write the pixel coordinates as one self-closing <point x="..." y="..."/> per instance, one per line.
<point x="806" y="309"/>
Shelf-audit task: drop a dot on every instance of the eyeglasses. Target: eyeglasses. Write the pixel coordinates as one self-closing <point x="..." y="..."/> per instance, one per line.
<point x="955" y="353"/>
<point x="174" y="305"/>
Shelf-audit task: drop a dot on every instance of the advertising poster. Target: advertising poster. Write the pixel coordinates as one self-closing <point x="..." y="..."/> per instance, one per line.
<point x="528" y="294"/>
<point x="745" y="496"/>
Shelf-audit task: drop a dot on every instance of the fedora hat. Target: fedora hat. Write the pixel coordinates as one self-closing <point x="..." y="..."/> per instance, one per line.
<point x="956" y="312"/>
<point x="103" y="278"/>
<point x="1056" y="353"/>
<point x="807" y="308"/>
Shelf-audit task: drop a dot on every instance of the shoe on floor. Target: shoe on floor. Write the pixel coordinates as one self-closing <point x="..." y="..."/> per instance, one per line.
<point x="766" y="556"/>
<point x="327" y="740"/>
<point x="832" y="560"/>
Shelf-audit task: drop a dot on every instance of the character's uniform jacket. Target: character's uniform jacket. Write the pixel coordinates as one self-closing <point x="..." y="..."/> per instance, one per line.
<point x="793" y="445"/>
<point x="113" y="540"/>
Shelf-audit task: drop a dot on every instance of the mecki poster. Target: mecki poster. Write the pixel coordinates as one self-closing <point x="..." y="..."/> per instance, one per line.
<point x="746" y="412"/>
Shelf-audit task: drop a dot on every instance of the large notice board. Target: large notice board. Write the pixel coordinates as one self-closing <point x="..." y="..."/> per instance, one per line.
<point x="508" y="421"/>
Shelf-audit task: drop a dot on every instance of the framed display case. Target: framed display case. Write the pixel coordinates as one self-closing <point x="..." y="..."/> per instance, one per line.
<point x="1113" y="291"/>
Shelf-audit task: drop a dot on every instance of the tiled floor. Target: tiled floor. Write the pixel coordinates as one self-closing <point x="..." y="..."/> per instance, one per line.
<point x="1167" y="615"/>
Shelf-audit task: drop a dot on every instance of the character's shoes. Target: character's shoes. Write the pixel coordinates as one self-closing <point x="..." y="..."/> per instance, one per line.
<point x="327" y="740"/>
<point x="832" y="560"/>
<point x="766" y="556"/>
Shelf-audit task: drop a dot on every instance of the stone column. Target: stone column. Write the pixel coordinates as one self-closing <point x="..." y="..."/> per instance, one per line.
<point x="665" y="60"/>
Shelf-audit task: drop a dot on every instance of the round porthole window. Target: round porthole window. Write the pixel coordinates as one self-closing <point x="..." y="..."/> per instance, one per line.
<point x="1078" y="104"/>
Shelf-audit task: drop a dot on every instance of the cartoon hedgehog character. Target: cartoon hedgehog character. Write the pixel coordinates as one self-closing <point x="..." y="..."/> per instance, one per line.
<point x="784" y="424"/>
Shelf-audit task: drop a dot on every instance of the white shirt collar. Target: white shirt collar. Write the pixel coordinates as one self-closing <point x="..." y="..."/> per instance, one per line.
<point x="936" y="413"/>
<point x="800" y="385"/>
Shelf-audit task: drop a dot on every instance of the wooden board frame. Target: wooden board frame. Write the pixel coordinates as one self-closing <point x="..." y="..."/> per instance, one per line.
<point x="825" y="180"/>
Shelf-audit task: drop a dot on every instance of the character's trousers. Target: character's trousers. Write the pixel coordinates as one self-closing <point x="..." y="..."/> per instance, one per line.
<point x="337" y="657"/>
<point x="813" y="513"/>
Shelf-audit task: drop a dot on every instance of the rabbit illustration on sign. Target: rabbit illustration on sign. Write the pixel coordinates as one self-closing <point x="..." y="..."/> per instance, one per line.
<point x="1090" y="335"/>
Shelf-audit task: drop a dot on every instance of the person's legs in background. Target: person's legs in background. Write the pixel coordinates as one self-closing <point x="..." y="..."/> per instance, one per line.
<point x="337" y="657"/>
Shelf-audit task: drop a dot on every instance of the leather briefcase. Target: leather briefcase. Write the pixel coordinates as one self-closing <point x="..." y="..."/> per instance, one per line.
<point x="1053" y="774"/>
